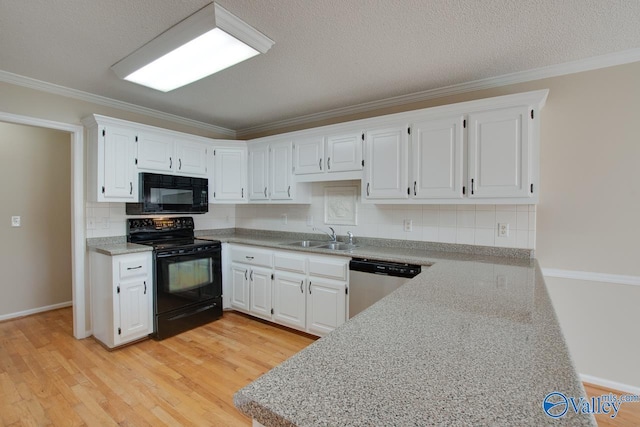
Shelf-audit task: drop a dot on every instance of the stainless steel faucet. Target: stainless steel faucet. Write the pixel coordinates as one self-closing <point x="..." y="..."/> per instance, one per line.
<point x="350" y="234"/>
<point x="331" y="235"/>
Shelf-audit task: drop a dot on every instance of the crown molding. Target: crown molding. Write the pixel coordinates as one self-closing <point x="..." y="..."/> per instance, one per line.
<point x="55" y="89"/>
<point x="594" y="63"/>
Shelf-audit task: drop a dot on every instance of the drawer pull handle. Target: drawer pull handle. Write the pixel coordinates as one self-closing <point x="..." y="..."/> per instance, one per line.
<point x="134" y="268"/>
<point x="248" y="257"/>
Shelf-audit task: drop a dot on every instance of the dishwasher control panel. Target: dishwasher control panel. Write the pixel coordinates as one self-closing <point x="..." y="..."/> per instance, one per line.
<point x="384" y="267"/>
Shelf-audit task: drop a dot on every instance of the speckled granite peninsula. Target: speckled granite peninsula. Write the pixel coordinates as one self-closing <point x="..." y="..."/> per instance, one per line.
<point x="472" y="341"/>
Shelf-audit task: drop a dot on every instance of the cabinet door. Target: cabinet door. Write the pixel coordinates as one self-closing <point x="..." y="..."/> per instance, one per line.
<point x="135" y="308"/>
<point x="230" y="174"/>
<point x="326" y="305"/>
<point x="191" y="158"/>
<point x="386" y="163"/>
<point x="344" y="152"/>
<point x="308" y="155"/>
<point x="258" y="172"/>
<point x="120" y="179"/>
<point x="260" y="291"/>
<point x="499" y="153"/>
<point x="289" y="292"/>
<point x="240" y="287"/>
<point x="281" y="174"/>
<point x="156" y="152"/>
<point x="437" y="155"/>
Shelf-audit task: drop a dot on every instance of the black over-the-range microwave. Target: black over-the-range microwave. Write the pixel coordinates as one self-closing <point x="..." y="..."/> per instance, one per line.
<point x="169" y="194"/>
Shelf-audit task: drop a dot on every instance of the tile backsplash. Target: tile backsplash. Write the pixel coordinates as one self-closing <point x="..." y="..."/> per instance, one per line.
<point x="465" y="224"/>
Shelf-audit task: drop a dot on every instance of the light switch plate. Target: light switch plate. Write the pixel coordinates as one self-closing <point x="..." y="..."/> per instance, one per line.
<point x="15" y="221"/>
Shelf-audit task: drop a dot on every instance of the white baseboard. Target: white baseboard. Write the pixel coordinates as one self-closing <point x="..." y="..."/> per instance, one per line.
<point x="610" y="384"/>
<point x="35" y="310"/>
<point x="592" y="277"/>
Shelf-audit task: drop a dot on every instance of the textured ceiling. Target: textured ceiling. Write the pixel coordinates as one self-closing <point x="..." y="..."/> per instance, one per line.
<point x="328" y="54"/>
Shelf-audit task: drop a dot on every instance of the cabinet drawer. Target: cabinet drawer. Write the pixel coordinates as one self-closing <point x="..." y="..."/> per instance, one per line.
<point x="251" y="256"/>
<point x="333" y="268"/>
<point x="132" y="267"/>
<point x="290" y="262"/>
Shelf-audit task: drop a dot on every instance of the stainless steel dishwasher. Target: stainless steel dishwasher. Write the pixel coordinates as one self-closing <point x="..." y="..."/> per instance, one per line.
<point x="370" y="281"/>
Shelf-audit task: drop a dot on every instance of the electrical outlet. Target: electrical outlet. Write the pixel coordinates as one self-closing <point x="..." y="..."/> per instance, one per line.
<point x="284" y="219"/>
<point x="408" y="225"/>
<point x="15" y="221"/>
<point x="503" y="230"/>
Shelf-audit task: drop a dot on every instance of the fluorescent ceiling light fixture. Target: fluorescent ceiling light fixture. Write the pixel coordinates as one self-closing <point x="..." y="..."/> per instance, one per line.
<point x="206" y="42"/>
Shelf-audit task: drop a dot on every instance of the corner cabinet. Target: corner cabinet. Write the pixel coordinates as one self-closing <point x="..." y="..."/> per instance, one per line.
<point x="111" y="159"/>
<point x="271" y="174"/>
<point x="121" y="297"/>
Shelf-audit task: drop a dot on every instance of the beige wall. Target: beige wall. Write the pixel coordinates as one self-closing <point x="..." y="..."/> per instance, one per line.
<point x="35" y="259"/>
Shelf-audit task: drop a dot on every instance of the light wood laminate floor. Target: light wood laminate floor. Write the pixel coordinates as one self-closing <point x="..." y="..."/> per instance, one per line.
<point x="49" y="378"/>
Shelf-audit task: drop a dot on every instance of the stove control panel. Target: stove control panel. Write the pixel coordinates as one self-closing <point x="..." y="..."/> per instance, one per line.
<point x="162" y="224"/>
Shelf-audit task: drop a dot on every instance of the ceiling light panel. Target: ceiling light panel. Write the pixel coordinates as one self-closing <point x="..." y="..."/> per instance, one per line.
<point x="206" y="42"/>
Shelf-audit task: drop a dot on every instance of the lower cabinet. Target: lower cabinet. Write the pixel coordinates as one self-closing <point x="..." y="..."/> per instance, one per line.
<point x="122" y="297"/>
<point x="326" y="305"/>
<point x="303" y="292"/>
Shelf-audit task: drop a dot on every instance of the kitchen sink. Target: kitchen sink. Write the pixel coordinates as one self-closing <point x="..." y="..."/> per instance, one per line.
<point x="338" y="246"/>
<point x="307" y="243"/>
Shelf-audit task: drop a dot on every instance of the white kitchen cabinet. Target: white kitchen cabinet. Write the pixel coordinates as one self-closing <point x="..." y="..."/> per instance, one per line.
<point x="344" y="152"/>
<point x="271" y="173"/>
<point x="122" y="297"/>
<point x="258" y="172"/>
<point x="308" y="157"/>
<point x="500" y="153"/>
<point x="328" y="157"/>
<point x="240" y="287"/>
<point x="111" y="168"/>
<point x="326" y="305"/>
<point x="281" y="174"/>
<point x="191" y="157"/>
<point x="386" y="163"/>
<point x="437" y="155"/>
<point x="283" y="286"/>
<point x="155" y="152"/>
<point x="164" y="153"/>
<point x="289" y="295"/>
<point x="230" y="174"/>
<point x="260" y="292"/>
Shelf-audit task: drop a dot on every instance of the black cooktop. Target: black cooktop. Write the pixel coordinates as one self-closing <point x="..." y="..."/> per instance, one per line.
<point x="181" y="243"/>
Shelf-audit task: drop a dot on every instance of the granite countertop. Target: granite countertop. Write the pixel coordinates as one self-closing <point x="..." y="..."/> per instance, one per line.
<point x="115" y="246"/>
<point x="472" y="340"/>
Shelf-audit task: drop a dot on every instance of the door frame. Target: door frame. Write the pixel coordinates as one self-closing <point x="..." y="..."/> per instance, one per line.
<point x="78" y="234"/>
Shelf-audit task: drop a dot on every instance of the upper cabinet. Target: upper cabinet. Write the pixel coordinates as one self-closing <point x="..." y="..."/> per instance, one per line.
<point x="328" y="156"/>
<point x="164" y="153"/>
<point x="500" y="153"/>
<point x="484" y="151"/>
<point x="230" y="174"/>
<point x="271" y="173"/>
<point x="111" y="161"/>
<point x="386" y="163"/>
<point x="437" y="158"/>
